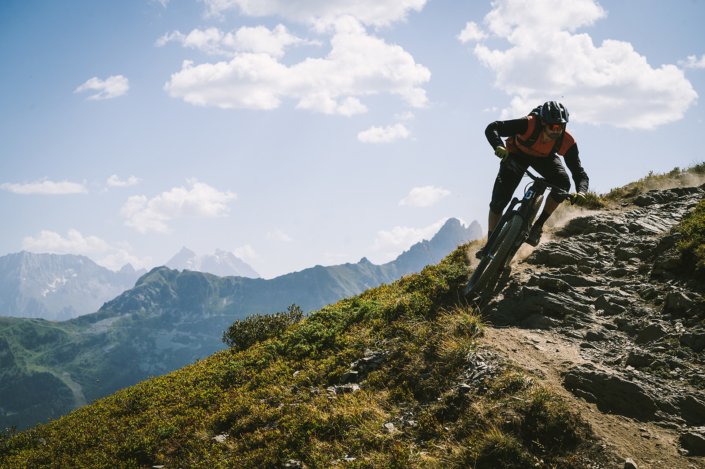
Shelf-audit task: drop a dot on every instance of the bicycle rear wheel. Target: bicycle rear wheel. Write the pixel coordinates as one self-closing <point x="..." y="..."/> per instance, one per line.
<point x="494" y="260"/>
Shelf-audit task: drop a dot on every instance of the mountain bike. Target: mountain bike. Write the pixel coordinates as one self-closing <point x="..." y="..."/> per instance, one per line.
<point x="511" y="231"/>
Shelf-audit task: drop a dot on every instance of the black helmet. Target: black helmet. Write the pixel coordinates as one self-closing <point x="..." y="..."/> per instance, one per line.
<point x="554" y="113"/>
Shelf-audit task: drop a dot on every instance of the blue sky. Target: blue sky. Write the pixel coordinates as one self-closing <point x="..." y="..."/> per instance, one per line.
<point x="315" y="132"/>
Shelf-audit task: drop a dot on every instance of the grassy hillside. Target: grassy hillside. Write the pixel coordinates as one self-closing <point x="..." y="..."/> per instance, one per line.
<point x="165" y="322"/>
<point x="277" y="401"/>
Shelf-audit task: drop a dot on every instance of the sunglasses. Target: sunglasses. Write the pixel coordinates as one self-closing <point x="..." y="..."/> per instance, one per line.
<point x="555" y="126"/>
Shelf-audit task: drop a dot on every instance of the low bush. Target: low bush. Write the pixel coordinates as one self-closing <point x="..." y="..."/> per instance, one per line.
<point x="692" y="244"/>
<point x="243" y="334"/>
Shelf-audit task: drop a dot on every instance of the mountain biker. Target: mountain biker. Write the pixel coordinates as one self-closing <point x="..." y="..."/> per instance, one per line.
<point x="535" y="141"/>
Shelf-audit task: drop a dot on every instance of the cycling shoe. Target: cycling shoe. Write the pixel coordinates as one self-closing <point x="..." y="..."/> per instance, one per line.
<point x="535" y="235"/>
<point x="478" y="254"/>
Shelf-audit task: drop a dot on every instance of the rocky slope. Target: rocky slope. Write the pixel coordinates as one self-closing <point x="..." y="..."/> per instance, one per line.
<point x="608" y="306"/>
<point x="58" y="287"/>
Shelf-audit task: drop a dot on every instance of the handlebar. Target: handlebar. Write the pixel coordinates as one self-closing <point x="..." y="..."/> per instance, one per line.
<point x="520" y="169"/>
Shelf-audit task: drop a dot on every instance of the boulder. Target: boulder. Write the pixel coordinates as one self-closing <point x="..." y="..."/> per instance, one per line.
<point x="568" y="252"/>
<point x="597" y="335"/>
<point x="613" y="391"/>
<point x="624" y="253"/>
<point x="628" y="325"/>
<point x="677" y="302"/>
<point x="535" y="300"/>
<point x="695" y="339"/>
<point x="639" y="358"/>
<point x="650" y="333"/>
<point x="609" y="305"/>
<point x="694" y="440"/>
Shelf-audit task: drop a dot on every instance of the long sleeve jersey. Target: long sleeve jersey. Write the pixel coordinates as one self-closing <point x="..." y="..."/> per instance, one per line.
<point x="513" y="127"/>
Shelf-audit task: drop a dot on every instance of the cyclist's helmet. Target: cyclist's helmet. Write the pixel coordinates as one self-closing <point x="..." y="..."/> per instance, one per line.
<point x="554" y="113"/>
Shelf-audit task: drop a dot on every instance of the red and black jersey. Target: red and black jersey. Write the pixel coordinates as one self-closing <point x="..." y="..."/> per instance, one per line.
<point x="519" y="133"/>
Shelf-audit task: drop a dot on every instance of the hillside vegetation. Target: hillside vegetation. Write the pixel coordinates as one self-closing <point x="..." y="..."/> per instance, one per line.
<point x="169" y="319"/>
<point x="693" y="175"/>
<point x="283" y="402"/>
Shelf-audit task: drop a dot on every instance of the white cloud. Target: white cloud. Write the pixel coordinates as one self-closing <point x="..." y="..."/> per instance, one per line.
<point x="245" y="252"/>
<point x="401" y="238"/>
<point x="46" y="188"/>
<point x="404" y="116"/>
<point x="610" y="84"/>
<point x="201" y="201"/>
<point x="357" y="65"/>
<point x="163" y="2"/>
<point x="279" y="235"/>
<point x="472" y="32"/>
<point x="112" y="87"/>
<point x="246" y="39"/>
<point x="424" y="196"/>
<point x="74" y="243"/>
<point x="693" y="62"/>
<point x="322" y="12"/>
<point x="118" y="260"/>
<point x="490" y="109"/>
<point x="388" y="134"/>
<point x="115" y="181"/>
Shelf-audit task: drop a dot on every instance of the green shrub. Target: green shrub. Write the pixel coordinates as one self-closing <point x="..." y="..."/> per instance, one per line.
<point x="594" y="201"/>
<point x="692" y="230"/>
<point x="242" y="335"/>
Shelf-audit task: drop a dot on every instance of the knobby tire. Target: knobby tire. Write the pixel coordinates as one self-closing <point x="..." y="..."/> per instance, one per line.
<point x="488" y="267"/>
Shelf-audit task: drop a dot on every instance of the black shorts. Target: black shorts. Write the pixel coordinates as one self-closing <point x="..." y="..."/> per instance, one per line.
<point x="551" y="168"/>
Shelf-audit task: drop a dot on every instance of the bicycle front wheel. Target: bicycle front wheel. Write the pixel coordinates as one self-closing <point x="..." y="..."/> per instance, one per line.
<point x="494" y="260"/>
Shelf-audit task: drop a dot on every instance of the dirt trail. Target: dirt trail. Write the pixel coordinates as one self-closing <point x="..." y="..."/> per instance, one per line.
<point x="549" y="356"/>
<point x="605" y="314"/>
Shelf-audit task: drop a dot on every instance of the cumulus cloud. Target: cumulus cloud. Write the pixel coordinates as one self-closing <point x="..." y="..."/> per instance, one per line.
<point x="46" y="187"/>
<point x="115" y="181"/>
<point x="357" y="65"/>
<point x="201" y="201"/>
<point x="472" y="32"/>
<point x="388" y="134"/>
<point x="245" y="252"/>
<point x="278" y="235"/>
<point x="424" y="196"/>
<point x="246" y="39"/>
<point x="51" y="242"/>
<point x="75" y="243"/>
<point x="321" y="12"/>
<point x="112" y="87"/>
<point x="401" y="238"/>
<point x="607" y="84"/>
<point x="693" y="62"/>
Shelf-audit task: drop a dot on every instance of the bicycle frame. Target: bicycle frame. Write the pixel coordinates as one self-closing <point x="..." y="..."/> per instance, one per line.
<point x="536" y="189"/>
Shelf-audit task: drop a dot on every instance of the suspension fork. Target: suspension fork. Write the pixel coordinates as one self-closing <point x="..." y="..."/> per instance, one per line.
<point x="507" y="215"/>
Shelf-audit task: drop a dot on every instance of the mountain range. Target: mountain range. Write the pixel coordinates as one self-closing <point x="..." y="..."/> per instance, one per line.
<point x="58" y="287"/>
<point x="169" y="319"/>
